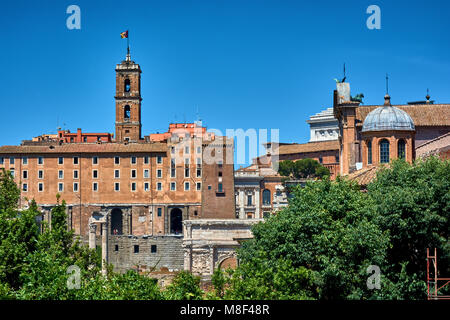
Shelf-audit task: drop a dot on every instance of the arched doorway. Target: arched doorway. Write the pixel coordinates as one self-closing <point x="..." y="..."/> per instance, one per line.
<point x="228" y="263"/>
<point x="116" y="222"/>
<point x="176" y="221"/>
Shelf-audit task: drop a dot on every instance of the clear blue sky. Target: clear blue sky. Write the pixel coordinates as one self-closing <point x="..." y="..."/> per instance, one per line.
<point x="243" y="64"/>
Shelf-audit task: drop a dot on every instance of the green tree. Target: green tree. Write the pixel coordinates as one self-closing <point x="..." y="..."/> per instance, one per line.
<point x="413" y="202"/>
<point x="184" y="286"/>
<point x="327" y="237"/>
<point x="303" y="169"/>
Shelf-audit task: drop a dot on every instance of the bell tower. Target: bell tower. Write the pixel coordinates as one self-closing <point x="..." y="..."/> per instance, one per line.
<point x="128" y="101"/>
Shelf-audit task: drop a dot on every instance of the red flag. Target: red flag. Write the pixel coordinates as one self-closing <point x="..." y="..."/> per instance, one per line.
<point x="124" y="34"/>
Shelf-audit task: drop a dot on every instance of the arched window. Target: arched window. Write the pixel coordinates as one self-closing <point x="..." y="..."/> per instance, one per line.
<point x="384" y="151"/>
<point x="369" y="152"/>
<point x="266" y="197"/>
<point x="116" y="222"/>
<point x="127" y="85"/>
<point x="401" y="147"/>
<point x="126" y="112"/>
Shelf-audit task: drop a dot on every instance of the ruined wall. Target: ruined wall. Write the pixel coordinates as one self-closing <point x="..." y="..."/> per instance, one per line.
<point x="167" y="252"/>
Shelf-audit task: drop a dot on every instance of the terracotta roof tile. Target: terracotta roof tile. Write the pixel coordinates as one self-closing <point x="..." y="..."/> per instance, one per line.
<point x="309" y="147"/>
<point x="422" y="114"/>
<point x="86" y="148"/>
<point x="366" y="175"/>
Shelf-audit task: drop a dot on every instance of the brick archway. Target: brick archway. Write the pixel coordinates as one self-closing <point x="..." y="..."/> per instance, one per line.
<point x="228" y="263"/>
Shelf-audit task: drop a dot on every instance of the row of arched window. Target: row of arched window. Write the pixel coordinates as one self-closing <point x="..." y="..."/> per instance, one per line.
<point x="384" y="150"/>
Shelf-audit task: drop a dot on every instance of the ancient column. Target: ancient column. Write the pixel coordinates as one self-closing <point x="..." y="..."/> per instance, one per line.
<point x="104" y="246"/>
<point x="92" y="232"/>
<point x="241" y="204"/>
<point x="257" y="204"/>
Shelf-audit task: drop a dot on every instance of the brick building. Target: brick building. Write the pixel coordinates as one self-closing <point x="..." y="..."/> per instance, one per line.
<point x="144" y="187"/>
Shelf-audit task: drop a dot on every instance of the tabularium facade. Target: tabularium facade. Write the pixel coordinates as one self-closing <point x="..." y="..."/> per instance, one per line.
<point x="128" y="193"/>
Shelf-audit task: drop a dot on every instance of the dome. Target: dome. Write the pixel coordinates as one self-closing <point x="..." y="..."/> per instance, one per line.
<point x="388" y="118"/>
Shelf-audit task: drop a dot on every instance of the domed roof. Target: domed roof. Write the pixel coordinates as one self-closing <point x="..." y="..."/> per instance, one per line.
<point x="388" y="118"/>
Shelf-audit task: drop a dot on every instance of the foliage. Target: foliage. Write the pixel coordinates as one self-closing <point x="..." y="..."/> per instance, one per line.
<point x="302" y="169"/>
<point x="413" y="202"/>
<point x="184" y="286"/>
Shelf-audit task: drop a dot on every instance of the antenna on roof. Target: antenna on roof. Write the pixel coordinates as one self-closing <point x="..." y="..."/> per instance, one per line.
<point x="387" y="84"/>
<point x="343" y="79"/>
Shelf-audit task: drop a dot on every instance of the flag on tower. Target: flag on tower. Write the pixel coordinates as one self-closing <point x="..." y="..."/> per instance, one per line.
<point x="124" y="34"/>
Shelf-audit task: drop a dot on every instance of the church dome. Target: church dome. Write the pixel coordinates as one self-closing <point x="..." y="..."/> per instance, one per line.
<point x="388" y="118"/>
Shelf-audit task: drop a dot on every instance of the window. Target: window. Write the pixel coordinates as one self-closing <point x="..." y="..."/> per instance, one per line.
<point x="84" y="139"/>
<point x="133" y="160"/>
<point x="220" y="188"/>
<point x="199" y="173"/>
<point x="219" y="173"/>
<point x="266" y="215"/>
<point x="369" y="152"/>
<point x="40" y="160"/>
<point x="220" y="163"/>
<point x="60" y="187"/>
<point x="116" y="247"/>
<point x="116" y="186"/>
<point x="40" y="174"/>
<point x="116" y="160"/>
<point x="94" y="160"/>
<point x="159" y="159"/>
<point x="25" y="174"/>
<point x="95" y="174"/>
<point x="249" y="215"/>
<point x="159" y="173"/>
<point x="95" y="186"/>
<point x="159" y="186"/>
<point x="249" y="200"/>
<point x="159" y="212"/>
<point x="60" y="174"/>
<point x="146" y="160"/>
<point x="172" y="168"/>
<point x="266" y="197"/>
<point x="133" y="173"/>
<point x="25" y="160"/>
<point x="11" y="161"/>
<point x="133" y="186"/>
<point x="60" y="160"/>
<point x="75" y="160"/>
<point x="75" y="174"/>
<point x="384" y="151"/>
<point x="187" y="186"/>
<point x="12" y="172"/>
<point x="126" y="112"/>
<point x="199" y="186"/>
<point x="146" y="186"/>
<point x="153" y="248"/>
<point x="172" y="150"/>
<point x="199" y="149"/>
<point x="146" y="173"/>
<point x="186" y="150"/>
<point x="127" y="85"/>
<point x="24" y="187"/>
<point x="136" y="248"/>
<point x="173" y="186"/>
<point x="75" y="187"/>
<point x="117" y="174"/>
<point x="337" y="158"/>
<point x="320" y="160"/>
<point x="401" y="148"/>
<point x="40" y="187"/>
<point x="186" y="172"/>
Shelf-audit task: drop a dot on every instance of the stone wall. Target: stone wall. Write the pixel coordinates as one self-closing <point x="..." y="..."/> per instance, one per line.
<point x="169" y="253"/>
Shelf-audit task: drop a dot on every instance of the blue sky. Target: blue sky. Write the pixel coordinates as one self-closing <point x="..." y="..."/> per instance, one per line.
<point x="241" y="64"/>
